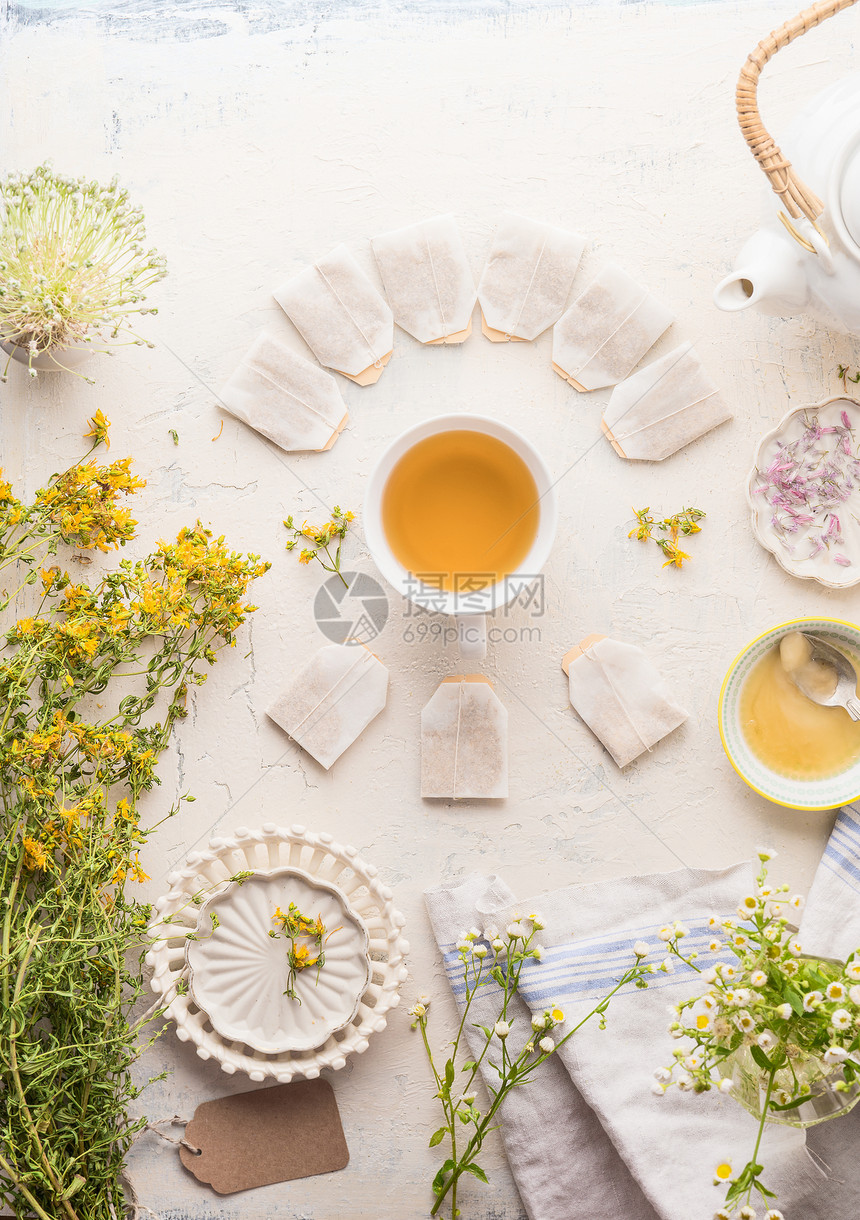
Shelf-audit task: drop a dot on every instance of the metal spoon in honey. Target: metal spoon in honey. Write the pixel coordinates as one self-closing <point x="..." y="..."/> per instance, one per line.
<point x="820" y="672"/>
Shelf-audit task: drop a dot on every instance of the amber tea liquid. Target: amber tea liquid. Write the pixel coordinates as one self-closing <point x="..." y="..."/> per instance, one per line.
<point x="460" y="510"/>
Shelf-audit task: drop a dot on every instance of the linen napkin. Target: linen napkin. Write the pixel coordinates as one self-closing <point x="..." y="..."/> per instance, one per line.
<point x="666" y="1146"/>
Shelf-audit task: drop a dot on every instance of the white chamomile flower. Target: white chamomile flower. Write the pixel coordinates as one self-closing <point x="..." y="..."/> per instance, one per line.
<point x="480" y="951"/>
<point x="853" y="972"/>
<point x="747" y="905"/>
<point x="417" y="1010"/>
<point x="680" y="930"/>
<point x="773" y="1214"/>
<point x="684" y="1082"/>
<point x="537" y="952"/>
<point x="491" y="933"/>
<point x="664" y="1075"/>
<point x="722" y="1214"/>
<point x="547" y="1045"/>
<point x="516" y="931"/>
<point x="537" y="923"/>
<point x="713" y="921"/>
<point x="740" y="940"/>
<point x="783" y="1011"/>
<point x="658" y="1089"/>
<point x="765" y="853"/>
<point x="667" y="965"/>
<point x="795" y="948"/>
<point x="468" y="1098"/>
<point x="758" y="978"/>
<point x="501" y="1029"/>
<point x="811" y="1000"/>
<point x="538" y="1023"/>
<point x="841" y="1019"/>
<point x="715" y="945"/>
<point x="463" y="944"/>
<point x="474" y="934"/>
<point x="709" y="975"/>
<point x="529" y="1048"/>
<point x="499" y="946"/>
<point x="677" y="1032"/>
<point x="666" y="933"/>
<point x="854" y="994"/>
<point x="747" y="1212"/>
<point x="693" y="1061"/>
<point x="742" y="996"/>
<point x="790" y="968"/>
<point x="834" y="1054"/>
<point x="641" y="949"/>
<point x="766" y="1040"/>
<point x="703" y="1021"/>
<point x="797" y="901"/>
<point x="744" y="1022"/>
<point x="727" y="972"/>
<point x="836" y="991"/>
<point x="725" y="1085"/>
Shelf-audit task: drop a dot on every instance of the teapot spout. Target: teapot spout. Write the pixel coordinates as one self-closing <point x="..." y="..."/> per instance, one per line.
<point x="769" y="274"/>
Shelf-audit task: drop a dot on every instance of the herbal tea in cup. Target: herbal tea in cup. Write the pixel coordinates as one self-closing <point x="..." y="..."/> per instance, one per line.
<point x="460" y="510"/>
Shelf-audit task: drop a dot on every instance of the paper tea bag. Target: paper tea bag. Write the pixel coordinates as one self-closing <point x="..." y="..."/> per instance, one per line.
<point x="607" y="330"/>
<point x="526" y="281"/>
<point x="340" y="315"/>
<point x="428" y="280"/>
<point x="332" y="700"/>
<point x="661" y="408"/>
<point x="620" y="696"/>
<point x="464" y="741"/>
<point x="285" y="397"/>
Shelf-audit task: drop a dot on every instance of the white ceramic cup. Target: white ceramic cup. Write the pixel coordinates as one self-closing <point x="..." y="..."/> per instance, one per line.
<point x="468" y="608"/>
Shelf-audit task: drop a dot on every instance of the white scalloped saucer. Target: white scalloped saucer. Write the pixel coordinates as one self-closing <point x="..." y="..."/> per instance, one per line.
<point x="238" y="972"/>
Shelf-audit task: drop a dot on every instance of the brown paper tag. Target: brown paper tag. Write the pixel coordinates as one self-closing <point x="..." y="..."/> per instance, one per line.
<point x="370" y="375"/>
<point x="567" y="377"/>
<point x="468" y="678"/>
<point x="578" y="649"/>
<point x="611" y="438"/>
<point x="459" y="336"/>
<point x="498" y="336"/>
<point x="331" y="440"/>
<point x="266" y="1136"/>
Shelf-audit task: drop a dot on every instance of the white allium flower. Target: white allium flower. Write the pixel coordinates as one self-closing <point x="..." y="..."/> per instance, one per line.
<point x="547" y="1045"/>
<point x="784" y="1011"/>
<point x="836" y="991"/>
<point x="480" y="951"/>
<point x="841" y="1019"/>
<point x="502" y="1029"/>
<point x="725" y="1085"/>
<point x="795" y="948"/>
<point x="758" y="978"/>
<point x="516" y="931"/>
<point x="853" y="971"/>
<point x="538" y="1023"/>
<point x="834" y="1054"/>
<point x="664" y="1075"/>
<point x="641" y="949"/>
<point x="666" y="933"/>
<point x="811" y="1001"/>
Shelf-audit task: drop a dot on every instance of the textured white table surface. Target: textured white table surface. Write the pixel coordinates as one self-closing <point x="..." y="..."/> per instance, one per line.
<point x="255" y="141"/>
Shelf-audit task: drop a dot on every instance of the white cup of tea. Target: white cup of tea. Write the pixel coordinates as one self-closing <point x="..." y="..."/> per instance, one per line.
<point x="460" y="516"/>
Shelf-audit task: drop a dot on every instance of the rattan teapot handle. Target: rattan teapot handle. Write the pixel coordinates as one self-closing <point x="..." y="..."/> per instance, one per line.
<point x="797" y="199"/>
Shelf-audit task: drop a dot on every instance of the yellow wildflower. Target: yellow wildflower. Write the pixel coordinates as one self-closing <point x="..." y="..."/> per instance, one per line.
<point x="99" y="429"/>
<point x="306" y="556"/>
<point x="25" y="626"/>
<point x="35" y="854"/>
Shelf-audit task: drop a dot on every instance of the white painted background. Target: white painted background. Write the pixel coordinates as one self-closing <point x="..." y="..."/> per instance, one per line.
<point x="257" y="142"/>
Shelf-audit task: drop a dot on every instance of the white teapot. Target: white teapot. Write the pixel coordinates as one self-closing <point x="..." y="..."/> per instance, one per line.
<point x="808" y="261"/>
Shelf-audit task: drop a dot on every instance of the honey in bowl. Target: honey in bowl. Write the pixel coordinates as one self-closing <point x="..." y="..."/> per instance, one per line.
<point x="460" y="510"/>
<point x="788" y="732"/>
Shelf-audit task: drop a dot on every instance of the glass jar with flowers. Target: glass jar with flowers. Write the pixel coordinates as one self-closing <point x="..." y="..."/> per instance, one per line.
<point x="73" y="269"/>
<point x="775" y="1027"/>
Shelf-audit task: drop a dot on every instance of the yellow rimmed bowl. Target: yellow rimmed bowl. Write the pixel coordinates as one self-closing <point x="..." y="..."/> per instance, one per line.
<point x="829" y="793"/>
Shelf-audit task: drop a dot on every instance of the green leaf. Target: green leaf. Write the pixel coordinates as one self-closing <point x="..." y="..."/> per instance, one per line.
<point x="468" y="1065"/>
<point x="437" y="1137"/>
<point x="761" y="1059"/>
<point x="476" y="1172"/>
<point x="792" y="1105"/>
<point x="439" y="1181"/>
<point x="795" y="999"/>
<point x="449" y="1073"/>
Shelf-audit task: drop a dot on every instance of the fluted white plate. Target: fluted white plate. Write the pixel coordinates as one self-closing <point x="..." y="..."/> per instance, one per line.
<point x="238" y="972"/>
<point x="263" y="850"/>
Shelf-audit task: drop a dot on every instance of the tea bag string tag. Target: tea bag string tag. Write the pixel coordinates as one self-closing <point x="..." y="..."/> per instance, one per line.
<point x="528" y="288"/>
<point x="658" y="423"/>
<point x="377" y="363"/>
